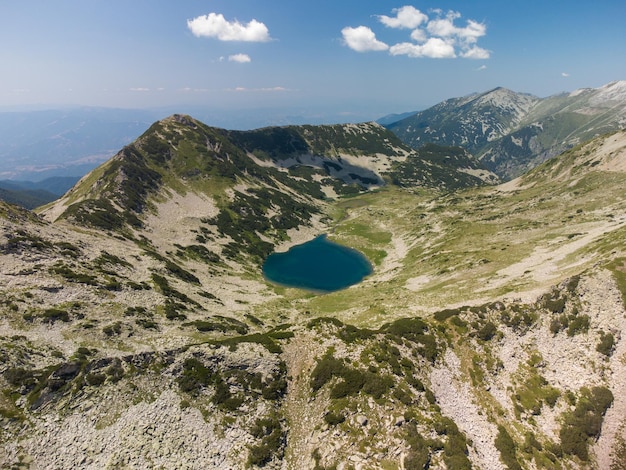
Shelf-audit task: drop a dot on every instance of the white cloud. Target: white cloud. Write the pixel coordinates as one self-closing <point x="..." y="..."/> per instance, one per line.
<point x="475" y="52"/>
<point x="406" y="17"/>
<point x="419" y="35"/>
<point x="564" y="74"/>
<point x="445" y="28"/>
<point x="435" y="48"/>
<point x="362" y="39"/>
<point x="275" y="89"/>
<point x="241" y="58"/>
<point x="141" y="89"/>
<point x="482" y="67"/>
<point x="214" y="25"/>
<point x="437" y="37"/>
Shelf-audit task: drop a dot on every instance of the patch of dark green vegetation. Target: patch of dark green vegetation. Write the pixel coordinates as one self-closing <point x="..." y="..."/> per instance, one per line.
<point x="108" y="263"/>
<point x="436" y="166"/>
<point x="24" y="241"/>
<point x="507" y="448"/>
<point x="52" y="315"/>
<point x="98" y="213"/>
<point x="181" y="273"/>
<point x="273" y="438"/>
<point x="418" y="457"/>
<point x="43" y="386"/>
<point x="173" y="310"/>
<point x="350" y="381"/>
<point x="455" y="453"/>
<point x="220" y="323"/>
<point x="246" y="218"/>
<point x="519" y="318"/>
<point x="585" y="423"/>
<point x="198" y="253"/>
<point x="168" y="291"/>
<point x="565" y="306"/>
<point x="443" y="315"/>
<point x="114" y="329"/>
<point x="487" y="331"/>
<point x="73" y="276"/>
<point x="198" y="376"/>
<point x="606" y="344"/>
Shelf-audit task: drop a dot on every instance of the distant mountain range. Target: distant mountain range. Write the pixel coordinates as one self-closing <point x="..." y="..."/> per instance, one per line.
<point x="510" y="132"/>
<point x="31" y="194"/>
<point x="513" y="132"/>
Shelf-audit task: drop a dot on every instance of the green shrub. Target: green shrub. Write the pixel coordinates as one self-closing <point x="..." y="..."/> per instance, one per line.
<point x="73" y="276"/>
<point x="555" y="326"/>
<point x="578" y="325"/>
<point x="443" y="315"/>
<point x="19" y="376"/>
<point x="352" y="382"/>
<point x="418" y="457"/>
<point x="377" y="385"/>
<point x="147" y="324"/>
<point x="195" y="376"/>
<point x="327" y="367"/>
<point x="95" y="379"/>
<point x="333" y="419"/>
<point x="408" y="328"/>
<point x="274" y="389"/>
<point x="52" y="315"/>
<point x="555" y="305"/>
<point x="173" y="309"/>
<point x="222" y="391"/>
<point x="487" y="332"/>
<point x="585" y="422"/>
<point x="114" y="329"/>
<point x="269" y="431"/>
<point x="506" y="446"/>
<point x="180" y="273"/>
<point x="605" y="346"/>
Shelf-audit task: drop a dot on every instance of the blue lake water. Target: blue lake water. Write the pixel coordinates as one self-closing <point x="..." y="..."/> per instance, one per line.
<point x="319" y="265"/>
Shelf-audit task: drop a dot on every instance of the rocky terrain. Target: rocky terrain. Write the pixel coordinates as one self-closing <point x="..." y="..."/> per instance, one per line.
<point x="136" y="329"/>
<point x="511" y="132"/>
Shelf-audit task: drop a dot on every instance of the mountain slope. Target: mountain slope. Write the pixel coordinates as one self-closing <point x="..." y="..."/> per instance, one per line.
<point x="262" y="183"/>
<point x="512" y="132"/>
<point x="490" y="334"/>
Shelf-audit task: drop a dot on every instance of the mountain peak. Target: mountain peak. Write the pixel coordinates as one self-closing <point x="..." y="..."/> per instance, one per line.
<point x="512" y="132"/>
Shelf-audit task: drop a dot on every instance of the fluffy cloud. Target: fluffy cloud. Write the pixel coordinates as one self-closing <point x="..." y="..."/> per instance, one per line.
<point x="406" y="17"/>
<point x="475" y="52"/>
<point x="435" y="48"/>
<point x="362" y="39"/>
<point x="241" y="58"/>
<point x="437" y="37"/>
<point x="214" y="25"/>
<point x="445" y="28"/>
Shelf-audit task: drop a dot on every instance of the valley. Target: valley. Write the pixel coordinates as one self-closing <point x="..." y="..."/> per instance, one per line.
<point x="137" y="330"/>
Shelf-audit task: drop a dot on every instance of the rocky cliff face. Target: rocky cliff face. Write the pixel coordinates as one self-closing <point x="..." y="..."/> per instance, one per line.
<point x="490" y="334"/>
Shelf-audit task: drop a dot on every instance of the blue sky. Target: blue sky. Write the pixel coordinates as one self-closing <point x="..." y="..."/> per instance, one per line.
<point x="337" y="57"/>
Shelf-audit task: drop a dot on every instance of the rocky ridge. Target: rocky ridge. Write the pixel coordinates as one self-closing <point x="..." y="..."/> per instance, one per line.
<point x="511" y="133"/>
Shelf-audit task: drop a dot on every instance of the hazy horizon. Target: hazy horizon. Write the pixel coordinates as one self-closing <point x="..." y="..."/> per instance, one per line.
<point x="330" y="58"/>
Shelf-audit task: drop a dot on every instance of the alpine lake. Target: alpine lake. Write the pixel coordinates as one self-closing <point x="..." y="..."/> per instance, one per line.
<point x="319" y="265"/>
